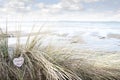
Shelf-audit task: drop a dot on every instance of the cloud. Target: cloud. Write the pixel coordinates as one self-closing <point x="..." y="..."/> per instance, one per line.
<point x="24" y="6"/>
<point x="14" y="6"/>
<point x="62" y="10"/>
<point x="116" y="16"/>
<point x="92" y="0"/>
<point x="71" y="5"/>
<point x="64" y="5"/>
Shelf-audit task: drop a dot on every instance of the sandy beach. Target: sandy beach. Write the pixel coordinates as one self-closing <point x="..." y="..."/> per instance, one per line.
<point x="116" y="36"/>
<point x="78" y="38"/>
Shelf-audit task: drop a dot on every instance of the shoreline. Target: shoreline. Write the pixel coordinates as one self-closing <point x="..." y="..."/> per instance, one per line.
<point x="75" y="40"/>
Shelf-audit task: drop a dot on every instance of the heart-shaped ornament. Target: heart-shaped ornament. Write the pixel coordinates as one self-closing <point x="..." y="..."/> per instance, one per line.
<point x="18" y="61"/>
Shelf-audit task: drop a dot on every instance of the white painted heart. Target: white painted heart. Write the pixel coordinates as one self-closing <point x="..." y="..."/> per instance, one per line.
<point x="18" y="61"/>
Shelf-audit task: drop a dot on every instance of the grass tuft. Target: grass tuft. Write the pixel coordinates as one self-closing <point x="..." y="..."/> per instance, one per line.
<point x="36" y="65"/>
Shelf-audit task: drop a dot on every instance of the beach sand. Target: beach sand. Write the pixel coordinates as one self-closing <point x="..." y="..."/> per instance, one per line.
<point x="116" y="36"/>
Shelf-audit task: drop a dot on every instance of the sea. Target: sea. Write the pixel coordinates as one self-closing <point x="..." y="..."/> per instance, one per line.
<point x="94" y="33"/>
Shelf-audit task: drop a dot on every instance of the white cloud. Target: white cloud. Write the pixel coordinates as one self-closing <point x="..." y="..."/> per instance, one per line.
<point x="92" y="0"/>
<point x="21" y="6"/>
<point x="40" y="5"/>
<point x="63" y="10"/>
<point x="15" y="6"/>
<point x="71" y="5"/>
<point x="116" y="16"/>
<point x="64" y="5"/>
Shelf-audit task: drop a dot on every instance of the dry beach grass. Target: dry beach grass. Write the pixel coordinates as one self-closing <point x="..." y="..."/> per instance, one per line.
<point x="88" y="64"/>
<point x="53" y="63"/>
<point x="36" y="66"/>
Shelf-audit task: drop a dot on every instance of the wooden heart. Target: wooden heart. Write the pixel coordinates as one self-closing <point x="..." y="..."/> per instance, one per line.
<point x="18" y="61"/>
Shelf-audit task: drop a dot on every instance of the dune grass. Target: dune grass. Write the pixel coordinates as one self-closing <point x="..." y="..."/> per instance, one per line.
<point x="87" y="64"/>
<point x="36" y="65"/>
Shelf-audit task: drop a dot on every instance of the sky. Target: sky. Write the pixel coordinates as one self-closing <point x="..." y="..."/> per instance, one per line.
<point x="60" y="10"/>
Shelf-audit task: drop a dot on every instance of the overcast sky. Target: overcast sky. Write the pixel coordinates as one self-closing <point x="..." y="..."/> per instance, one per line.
<point x="77" y="10"/>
